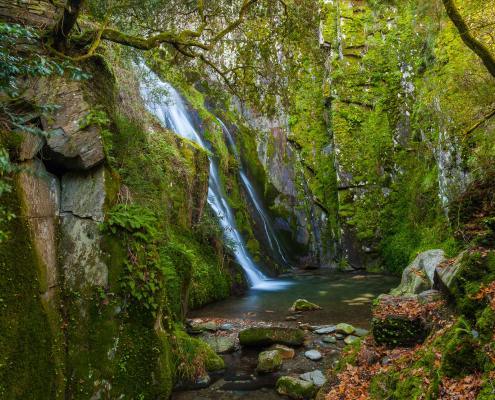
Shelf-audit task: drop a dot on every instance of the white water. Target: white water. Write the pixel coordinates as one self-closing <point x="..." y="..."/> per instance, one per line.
<point x="271" y="237"/>
<point x="170" y="109"/>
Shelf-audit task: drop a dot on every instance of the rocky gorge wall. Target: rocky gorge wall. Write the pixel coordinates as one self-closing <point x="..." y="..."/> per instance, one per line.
<point x="109" y="243"/>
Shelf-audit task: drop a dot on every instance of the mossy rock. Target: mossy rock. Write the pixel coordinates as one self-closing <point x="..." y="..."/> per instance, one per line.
<point x="398" y="331"/>
<point x="269" y="361"/>
<point x="259" y="337"/>
<point x="295" y="388"/>
<point x="304" y="305"/>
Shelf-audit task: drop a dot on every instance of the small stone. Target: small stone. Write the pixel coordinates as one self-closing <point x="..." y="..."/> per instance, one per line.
<point x="361" y="332"/>
<point x="345" y="328"/>
<point x="325" y="330"/>
<point x="291" y="318"/>
<point x="304" y="305"/>
<point x="339" y="336"/>
<point x="351" y="339"/>
<point x="313" y="355"/>
<point x="287" y="353"/>
<point x="227" y="327"/>
<point x="316" y="377"/>
<point x="329" y="339"/>
<point x="269" y="361"/>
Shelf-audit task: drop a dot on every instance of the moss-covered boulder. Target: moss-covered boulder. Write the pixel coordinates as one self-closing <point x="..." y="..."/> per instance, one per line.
<point x="295" y="388"/>
<point x="259" y="337"/>
<point x="398" y="321"/>
<point x="344" y="328"/>
<point x="304" y="305"/>
<point x="269" y="361"/>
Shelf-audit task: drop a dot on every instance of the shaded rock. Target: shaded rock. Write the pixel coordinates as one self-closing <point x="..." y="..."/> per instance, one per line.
<point x="295" y="388"/>
<point x="325" y="330"/>
<point x="30" y="146"/>
<point x="221" y="344"/>
<point x="339" y="336"/>
<point x="360" y="332"/>
<point x="313" y="355"/>
<point x="420" y="274"/>
<point x="269" y="361"/>
<point x="40" y="194"/>
<point x="329" y="339"/>
<point x="262" y="336"/>
<point x="316" y="377"/>
<point x="351" y="339"/>
<point x="83" y="194"/>
<point x="343" y="328"/>
<point x="286" y="353"/>
<point x="304" y="305"/>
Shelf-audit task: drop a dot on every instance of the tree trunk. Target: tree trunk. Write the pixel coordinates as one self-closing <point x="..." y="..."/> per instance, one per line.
<point x="67" y="23"/>
<point x="474" y="44"/>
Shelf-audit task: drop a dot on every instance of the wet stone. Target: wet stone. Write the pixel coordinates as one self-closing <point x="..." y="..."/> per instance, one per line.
<point x="313" y="355"/>
<point x="316" y="377"/>
<point x="329" y="339"/>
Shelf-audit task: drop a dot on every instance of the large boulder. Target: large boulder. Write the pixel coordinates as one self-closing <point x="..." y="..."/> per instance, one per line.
<point x="295" y="388"/>
<point x="420" y="274"/>
<point x="221" y="344"/>
<point x="259" y="337"/>
<point x="269" y="361"/>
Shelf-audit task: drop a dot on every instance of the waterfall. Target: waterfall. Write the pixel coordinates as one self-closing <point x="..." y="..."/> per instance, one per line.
<point x="165" y="102"/>
<point x="271" y="237"/>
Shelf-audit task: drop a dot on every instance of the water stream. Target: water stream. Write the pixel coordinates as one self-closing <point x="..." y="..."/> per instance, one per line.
<point x="165" y="102"/>
<point x="270" y="234"/>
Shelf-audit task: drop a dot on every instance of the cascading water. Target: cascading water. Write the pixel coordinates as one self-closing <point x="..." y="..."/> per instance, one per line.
<point x="271" y="237"/>
<point x="167" y="105"/>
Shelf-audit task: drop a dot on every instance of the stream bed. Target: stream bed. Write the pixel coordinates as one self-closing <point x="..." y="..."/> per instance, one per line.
<point x="344" y="297"/>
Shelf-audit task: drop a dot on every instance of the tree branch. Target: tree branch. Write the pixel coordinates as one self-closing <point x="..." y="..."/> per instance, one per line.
<point x="474" y="44"/>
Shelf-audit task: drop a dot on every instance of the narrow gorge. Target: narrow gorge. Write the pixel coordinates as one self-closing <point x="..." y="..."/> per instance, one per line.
<point x="247" y="199"/>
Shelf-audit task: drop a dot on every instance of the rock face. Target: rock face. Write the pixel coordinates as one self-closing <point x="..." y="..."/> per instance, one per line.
<point x="39" y="13"/>
<point x="304" y="305"/>
<point x="259" y="337"/>
<point x="295" y="388"/>
<point x="269" y="361"/>
<point x="221" y="344"/>
<point x="420" y="274"/>
<point x="69" y="144"/>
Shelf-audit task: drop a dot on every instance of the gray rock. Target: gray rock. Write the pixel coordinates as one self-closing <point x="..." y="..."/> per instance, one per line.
<point x="329" y="339"/>
<point x="200" y="326"/>
<point x="339" y="336"/>
<point x="325" y="330"/>
<point x="316" y="377"/>
<point x="361" y="332"/>
<point x="269" y="361"/>
<point x="313" y="355"/>
<point x="81" y="254"/>
<point x="83" y="194"/>
<point x="446" y="272"/>
<point x="227" y="327"/>
<point x="351" y="339"/>
<point x="429" y="296"/>
<point x="420" y="274"/>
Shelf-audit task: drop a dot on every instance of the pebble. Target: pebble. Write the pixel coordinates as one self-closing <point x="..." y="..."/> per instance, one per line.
<point x="329" y="339"/>
<point x="313" y="355"/>
<point x="339" y="336"/>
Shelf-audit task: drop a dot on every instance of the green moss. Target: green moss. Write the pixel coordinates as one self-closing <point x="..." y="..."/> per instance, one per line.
<point x="396" y="331"/>
<point x="295" y="388"/>
<point x="27" y="361"/>
<point x="260" y="337"/>
<point x="485" y="324"/>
